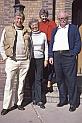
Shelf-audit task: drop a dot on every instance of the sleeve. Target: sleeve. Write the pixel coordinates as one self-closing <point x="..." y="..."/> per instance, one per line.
<point x="77" y="42"/>
<point x="53" y="25"/>
<point x="46" y="47"/>
<point x="50" y="53"/>
<point x="2" y="49"/>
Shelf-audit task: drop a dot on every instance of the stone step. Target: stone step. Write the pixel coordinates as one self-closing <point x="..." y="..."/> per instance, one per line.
<point x="53" y="97"/>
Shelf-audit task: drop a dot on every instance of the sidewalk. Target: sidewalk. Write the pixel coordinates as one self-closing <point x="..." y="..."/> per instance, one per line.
<point x="51" y="114"/>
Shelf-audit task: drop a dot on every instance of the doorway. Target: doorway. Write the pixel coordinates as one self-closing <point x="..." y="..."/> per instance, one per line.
<point x="77" y="20"/>
<point x="77" y="12"/>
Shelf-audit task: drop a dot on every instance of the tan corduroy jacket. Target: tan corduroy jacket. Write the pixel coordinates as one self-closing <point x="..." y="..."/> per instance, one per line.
<point x="9" y="38"/>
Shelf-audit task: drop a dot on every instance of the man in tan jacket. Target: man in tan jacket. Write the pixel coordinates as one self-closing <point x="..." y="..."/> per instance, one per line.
<point x="15" y="50"/>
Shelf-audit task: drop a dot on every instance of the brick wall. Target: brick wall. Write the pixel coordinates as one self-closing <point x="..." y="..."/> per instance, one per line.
<point x="1" y="15"/>
<point x="64" y="5"/>
<point x="6" y="17"/>
<point x="6" y="13"/>
<point x="32" y="8"/>
<point x="48" y="4"/>
<point x="2" y="75"/>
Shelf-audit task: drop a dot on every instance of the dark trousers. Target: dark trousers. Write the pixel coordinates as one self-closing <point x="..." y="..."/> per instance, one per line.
<point x="37" y="78"/>
<point x="49" y="72"/>
<point x="66" y="76"/>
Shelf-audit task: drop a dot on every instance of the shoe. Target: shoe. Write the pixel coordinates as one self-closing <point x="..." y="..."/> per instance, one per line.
<point x="77" y="105"/>
<point x="20" y="107"/>
<point x="41" y="105"/>
<point x="62" y="104"/>
<point x="50" y="89"/>
<point x="72" y="108"/>
<point x="34" y="102"/>
<point x="4" y="111"/>
<point x="15" y="106"/>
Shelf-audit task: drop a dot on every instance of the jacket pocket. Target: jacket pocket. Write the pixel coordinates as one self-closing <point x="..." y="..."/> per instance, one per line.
<point x="7" y="46"/>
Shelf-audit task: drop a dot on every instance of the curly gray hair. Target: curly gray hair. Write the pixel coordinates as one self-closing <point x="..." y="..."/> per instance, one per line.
<point x="33" y="20"/>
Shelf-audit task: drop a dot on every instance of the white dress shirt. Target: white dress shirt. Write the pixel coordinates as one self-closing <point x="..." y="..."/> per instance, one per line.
<point x="61" y="39"/>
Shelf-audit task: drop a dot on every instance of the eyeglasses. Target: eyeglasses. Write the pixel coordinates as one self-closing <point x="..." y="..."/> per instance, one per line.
<point x="63" y="18"/>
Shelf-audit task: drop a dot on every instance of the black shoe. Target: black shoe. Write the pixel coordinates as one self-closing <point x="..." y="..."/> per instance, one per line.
<point x="34" y="102"/>
<point x="4" y="111"/>
<point x="62" y="104"/>
<point x="50" y="89"/>
<point x="15" y="106"/>
<point x="41" y="105"/>
<point x="20" y="107"/>
<point x="72" y="108"/>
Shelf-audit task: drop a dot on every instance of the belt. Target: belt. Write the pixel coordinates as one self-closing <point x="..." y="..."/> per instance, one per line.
<point x="62" y="51"/>
<point x="14" y="59"/>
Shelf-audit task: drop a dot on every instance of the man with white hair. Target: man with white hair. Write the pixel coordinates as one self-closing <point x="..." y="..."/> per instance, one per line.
<point x="65" y="45"/>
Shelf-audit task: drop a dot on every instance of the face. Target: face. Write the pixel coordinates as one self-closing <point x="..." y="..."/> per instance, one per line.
<point x="63" y="19"/>
<point x="44" y="17"/>
<point x="18" y="21"/>
<point x="34" y="26"/>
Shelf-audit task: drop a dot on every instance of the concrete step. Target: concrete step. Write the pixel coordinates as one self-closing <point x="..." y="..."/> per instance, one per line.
<point x="53" y="97"/>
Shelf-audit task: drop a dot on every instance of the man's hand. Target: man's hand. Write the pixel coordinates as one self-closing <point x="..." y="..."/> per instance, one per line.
<point x="51" y="60"/>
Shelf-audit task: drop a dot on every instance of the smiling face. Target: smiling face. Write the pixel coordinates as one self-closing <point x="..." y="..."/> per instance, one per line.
<point x="18" y="20"/>
<point x="63" y="18"/>
<point x="43" y="14"/>
<point x="44" y="17"/>
<point x="34" y="26"/>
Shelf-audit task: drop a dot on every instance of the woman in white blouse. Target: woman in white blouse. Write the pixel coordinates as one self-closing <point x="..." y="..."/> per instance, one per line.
<point x="39" y="61"/>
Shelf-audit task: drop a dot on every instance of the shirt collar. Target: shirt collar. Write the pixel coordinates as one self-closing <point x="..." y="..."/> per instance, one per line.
<point x="37" y="32"/>
<point x="59" y="27"/>
<point x="17" y="28"/>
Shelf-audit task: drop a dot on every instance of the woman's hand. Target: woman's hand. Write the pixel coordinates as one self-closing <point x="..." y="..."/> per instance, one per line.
<point x="45" y="63"/>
